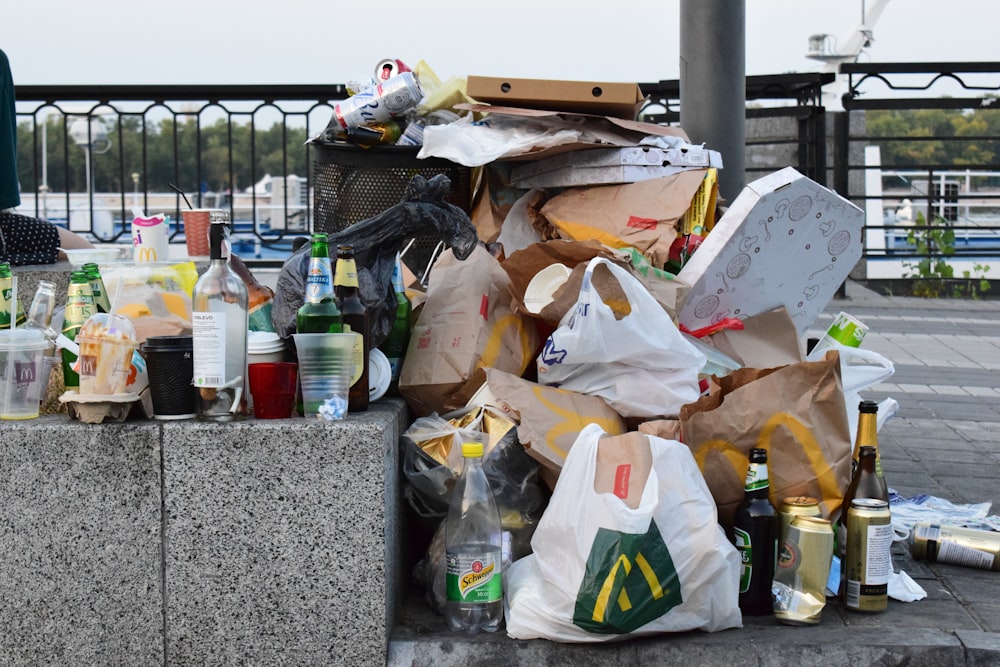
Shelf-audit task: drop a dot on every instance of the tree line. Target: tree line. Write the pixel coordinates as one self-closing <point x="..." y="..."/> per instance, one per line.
<point x="219" y="156"/>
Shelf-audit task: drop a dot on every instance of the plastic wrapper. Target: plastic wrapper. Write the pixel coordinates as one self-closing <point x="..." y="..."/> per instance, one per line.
<point x="432" y="462"/>
<point x="423" y="211"/>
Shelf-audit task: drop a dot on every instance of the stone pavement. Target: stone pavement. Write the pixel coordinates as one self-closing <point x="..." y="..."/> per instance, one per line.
<point x="944" y="441"/>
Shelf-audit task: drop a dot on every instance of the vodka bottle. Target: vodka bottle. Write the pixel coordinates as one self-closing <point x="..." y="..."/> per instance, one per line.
<point x="355" y="314"/>
<point x="473" y="550"/>
<point x="219" y="331"/>
<point x="755" y="533"/>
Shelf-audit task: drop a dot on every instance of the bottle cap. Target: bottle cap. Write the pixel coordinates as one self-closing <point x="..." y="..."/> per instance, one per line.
<point x="472" y="450"/>
<point x="868" y="407"/>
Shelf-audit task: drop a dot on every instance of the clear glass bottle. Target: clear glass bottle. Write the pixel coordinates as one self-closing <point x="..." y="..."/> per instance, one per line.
<point x="319" y="312"/>
<point x="473" y="550"/>
<point x="755" y="534"/>
<point x="395" y="343"/>
<point x="355" y="314"/>
<point x="219" y="331"/>
<point x="42" y="307"/>
<point x="79" y="308"/>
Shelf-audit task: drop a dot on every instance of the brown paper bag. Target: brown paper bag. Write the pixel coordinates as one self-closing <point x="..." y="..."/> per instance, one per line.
<point x="796" y="412"/>
<point x="640" y="215"/>
<point x="549" y="419"/>
<point x="767" y="340"/>
<point x="623" y="465"/>
<point x="465" y="324"/>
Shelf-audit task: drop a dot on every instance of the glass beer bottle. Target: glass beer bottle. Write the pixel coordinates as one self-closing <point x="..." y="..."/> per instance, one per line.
<point x="867" y="436"/>
<point x="319" y="312"/>
<point x="755" y="533"/>
<point x="865" y="483"/>
<point x="395" y="344"/>
<point x="355" y="314"/>
<point x="79" y="308"/>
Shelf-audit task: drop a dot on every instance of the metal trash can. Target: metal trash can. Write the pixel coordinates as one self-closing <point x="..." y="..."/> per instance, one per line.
<point x="351" y="183"/>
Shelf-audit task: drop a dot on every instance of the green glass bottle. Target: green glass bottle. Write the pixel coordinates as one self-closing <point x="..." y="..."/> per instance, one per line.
<point x="395" y="343"/>
<point x="319" y="313"/>
<point x="79" y="308"/>
<point x="101" y="301"/>
<point x="348" y="294"/>
<point x="6" y="294"/>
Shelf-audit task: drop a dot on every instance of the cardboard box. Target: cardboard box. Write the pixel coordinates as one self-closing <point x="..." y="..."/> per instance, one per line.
<point x="621" y="100"/>
<point x="785" y="241"/>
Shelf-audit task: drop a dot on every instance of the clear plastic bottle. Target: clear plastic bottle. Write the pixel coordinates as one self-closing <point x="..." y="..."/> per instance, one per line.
<point x="219" y="319"/>
<point x="473" y="542"/>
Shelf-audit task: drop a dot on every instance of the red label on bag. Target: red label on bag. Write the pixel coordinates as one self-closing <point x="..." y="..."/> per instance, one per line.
<point x="641" y="223"/>
<point x="484" y="306"/>
<point x="622" y="473"/>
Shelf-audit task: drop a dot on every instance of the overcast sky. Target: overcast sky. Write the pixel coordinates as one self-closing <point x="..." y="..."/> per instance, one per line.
<point x="322" y="41"/>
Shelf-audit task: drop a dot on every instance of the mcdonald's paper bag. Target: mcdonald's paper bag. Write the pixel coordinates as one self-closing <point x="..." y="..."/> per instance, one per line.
<point x="549" y="419"/>
<point x="465" y="324"/>
<point x="796" y="412"/>
<point x="629" y="545"/>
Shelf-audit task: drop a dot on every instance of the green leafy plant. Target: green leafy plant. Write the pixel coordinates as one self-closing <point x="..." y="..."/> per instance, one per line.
<point x="933" y="276"/>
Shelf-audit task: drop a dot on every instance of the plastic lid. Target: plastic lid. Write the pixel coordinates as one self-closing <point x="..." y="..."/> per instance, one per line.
<point x="379" y="374"/>
<point x="22" y="338"/>
<point x="472" y="450"/>
<point x="261" y="342"/>
<point x="169" y="342"/>
<point x="108" y="326"/>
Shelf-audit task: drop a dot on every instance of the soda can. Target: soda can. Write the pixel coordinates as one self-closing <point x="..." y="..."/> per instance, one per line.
<point x="956" y="546"/>
<point x="389" y="99"/>
<point x="799" y="586"/>
<point x="868" y="562"/>
<point x="794" y="506"/>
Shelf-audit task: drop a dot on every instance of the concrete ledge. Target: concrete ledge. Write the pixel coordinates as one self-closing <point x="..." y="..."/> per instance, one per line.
<point x="260" y="542"/>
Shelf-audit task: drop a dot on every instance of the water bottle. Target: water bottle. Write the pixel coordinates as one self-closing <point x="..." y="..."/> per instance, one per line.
<point x="473" y="550"/>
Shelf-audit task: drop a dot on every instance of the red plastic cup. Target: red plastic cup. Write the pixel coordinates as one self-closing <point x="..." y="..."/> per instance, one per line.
<point x="272" y="385"/>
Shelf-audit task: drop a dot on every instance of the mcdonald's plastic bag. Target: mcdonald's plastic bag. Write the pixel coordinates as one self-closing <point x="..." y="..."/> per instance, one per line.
<point x="629" y="545"/>
<point x="622" y="347"/>
<point x="796" y="412"/>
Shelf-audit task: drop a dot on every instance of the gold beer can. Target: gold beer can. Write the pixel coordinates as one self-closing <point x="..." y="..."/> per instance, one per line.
<point x="799" y="586"/>
<point x="794" y="506"/>
<point x="868" y="562"/>
<point x="956" y="545"/>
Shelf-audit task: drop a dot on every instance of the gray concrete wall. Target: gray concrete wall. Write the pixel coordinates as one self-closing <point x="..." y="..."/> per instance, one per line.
<point x="259" y="542"/>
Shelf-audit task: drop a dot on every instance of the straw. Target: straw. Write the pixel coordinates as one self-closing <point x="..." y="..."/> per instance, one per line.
<point x="181" y="193"/>
<point x="13" y="302"/>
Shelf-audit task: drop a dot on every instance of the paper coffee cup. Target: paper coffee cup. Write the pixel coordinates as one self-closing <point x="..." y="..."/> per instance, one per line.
<point x="150" y="239"/>
<point x="846" y="330"/>
<point x="543" y="286"/>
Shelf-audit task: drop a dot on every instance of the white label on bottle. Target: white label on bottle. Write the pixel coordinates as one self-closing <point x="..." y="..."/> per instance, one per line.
<point x="959" y="554"/>
<point x="208" y="334"/>
<point x="879" y="557"/>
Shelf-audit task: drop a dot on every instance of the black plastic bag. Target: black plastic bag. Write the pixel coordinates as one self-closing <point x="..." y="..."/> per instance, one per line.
<point x="423" y="211"/>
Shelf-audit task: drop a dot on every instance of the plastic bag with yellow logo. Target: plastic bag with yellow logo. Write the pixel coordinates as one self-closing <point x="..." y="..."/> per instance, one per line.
<point x="629" y="545"/>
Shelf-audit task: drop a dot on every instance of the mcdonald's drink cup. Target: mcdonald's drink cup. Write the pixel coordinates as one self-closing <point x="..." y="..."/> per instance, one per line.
<point x="150" y="239"/>
<point x="846" y="330"/>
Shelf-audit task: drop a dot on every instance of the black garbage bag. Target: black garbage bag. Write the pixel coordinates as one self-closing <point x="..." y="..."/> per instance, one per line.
<point x="423" y="211"/>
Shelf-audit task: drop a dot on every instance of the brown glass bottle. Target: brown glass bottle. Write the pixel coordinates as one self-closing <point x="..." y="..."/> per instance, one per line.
<point x="261" y="296"/>
<point x="355" y="317"/>
<point x="867" y="436"/>
<point x="864" y="484"/>
<point x="755" y="534"/>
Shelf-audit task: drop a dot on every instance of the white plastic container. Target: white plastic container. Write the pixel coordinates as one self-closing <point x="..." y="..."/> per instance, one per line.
<point x="264" y="346"/>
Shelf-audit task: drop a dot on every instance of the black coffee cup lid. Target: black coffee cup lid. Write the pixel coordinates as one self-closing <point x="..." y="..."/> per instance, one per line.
<point x="168" y="342"/>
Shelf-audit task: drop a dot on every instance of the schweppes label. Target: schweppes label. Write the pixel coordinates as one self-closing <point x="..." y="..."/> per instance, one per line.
<point x="473" y="577"/>
<point x="630" y="580"/>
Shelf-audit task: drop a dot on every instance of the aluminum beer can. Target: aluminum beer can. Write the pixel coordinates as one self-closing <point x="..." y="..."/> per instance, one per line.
<point x="794" y="506"/>
<point x="390" y="67"/>
<point x="956" y="545"/>
<point x="389" y="99"/>
<point x="799" y="586"/>
<point x="868" y="562"/>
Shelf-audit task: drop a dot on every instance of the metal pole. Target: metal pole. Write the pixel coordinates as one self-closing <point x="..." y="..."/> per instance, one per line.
<point x="713" y="83"/>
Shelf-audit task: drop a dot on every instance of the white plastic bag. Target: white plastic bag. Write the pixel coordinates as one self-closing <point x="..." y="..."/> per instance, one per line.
<point x="859" y="370"/>
<point x="601" y="571"/>
<point x="641" y="364"/>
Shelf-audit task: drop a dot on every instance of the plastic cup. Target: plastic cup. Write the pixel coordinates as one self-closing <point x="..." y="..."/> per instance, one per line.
<point x="326" y="368"/>
<point x="22" y="379"/>
<point x="272" y="385"/>
<point x="170" y="363"/>
<point x="107" y="342"/>
<point x="196" y="222"/>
